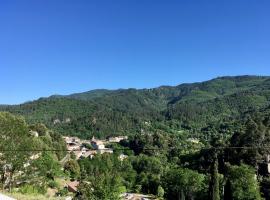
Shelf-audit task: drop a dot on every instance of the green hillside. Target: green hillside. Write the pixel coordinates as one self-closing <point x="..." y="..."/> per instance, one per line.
<point x="205" y="137"/>
<point x="86" y="95"/>
<point x="105" y="112"/>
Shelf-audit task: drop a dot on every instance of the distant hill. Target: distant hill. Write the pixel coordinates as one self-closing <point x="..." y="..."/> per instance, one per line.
<point x="125" y="111"/>
<point x="86" y="95"/>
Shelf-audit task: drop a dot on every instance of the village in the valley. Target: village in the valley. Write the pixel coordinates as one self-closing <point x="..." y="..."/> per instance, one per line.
<point x="88" y="149"/>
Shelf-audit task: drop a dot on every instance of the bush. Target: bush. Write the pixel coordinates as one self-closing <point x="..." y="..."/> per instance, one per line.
<point x="30" y="189"/>
<point x="53" y="184"/>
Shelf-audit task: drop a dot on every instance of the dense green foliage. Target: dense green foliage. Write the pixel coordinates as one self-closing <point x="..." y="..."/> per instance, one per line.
<point x="102" y="112"/>
<point x="206" y="140"/>
<point x="105" y="177"/>
<point x="168" y="162"/>
<point x="243" y="183"/>
<point x="14" y="141"/>
<point x="22" y="160"/>
<point x="184" y="183"/>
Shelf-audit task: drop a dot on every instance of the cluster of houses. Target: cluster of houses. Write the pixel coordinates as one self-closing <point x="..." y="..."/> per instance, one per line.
<point x="89" y="148"/>
<point x="78" y="147"/>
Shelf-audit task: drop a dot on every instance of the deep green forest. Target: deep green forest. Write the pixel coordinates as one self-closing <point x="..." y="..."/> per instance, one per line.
<point x="127" y="111"/>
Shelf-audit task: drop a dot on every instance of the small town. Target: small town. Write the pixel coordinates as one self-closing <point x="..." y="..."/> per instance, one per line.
<point x="88" y="149"/>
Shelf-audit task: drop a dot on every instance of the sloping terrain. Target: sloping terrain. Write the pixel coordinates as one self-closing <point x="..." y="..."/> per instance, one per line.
<point x="105" y="112"/>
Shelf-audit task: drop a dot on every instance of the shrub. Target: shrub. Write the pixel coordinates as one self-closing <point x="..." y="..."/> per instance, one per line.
<point x="53" y="184"/>
<point x="30" y="189"/>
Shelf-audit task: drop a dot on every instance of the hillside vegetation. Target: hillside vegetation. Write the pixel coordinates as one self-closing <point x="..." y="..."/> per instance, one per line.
<point x="187" y="106"/>
<point x="206" y="140"/>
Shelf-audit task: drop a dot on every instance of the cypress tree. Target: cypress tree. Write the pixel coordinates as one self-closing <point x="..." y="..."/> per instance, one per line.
<point x="214" y="183"/>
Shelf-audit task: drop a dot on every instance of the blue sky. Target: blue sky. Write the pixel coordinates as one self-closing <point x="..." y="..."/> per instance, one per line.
<point x="65" y="46"/>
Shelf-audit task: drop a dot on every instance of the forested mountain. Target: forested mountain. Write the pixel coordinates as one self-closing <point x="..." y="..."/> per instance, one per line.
<point x="193" y="141"/>
<point x="126" y="111"/>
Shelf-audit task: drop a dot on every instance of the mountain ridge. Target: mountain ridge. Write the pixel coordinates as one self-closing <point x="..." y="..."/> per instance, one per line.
<point x="124" y="111"/>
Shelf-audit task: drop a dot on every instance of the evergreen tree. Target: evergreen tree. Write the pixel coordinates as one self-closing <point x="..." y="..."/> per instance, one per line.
<point x="214" y="183"/>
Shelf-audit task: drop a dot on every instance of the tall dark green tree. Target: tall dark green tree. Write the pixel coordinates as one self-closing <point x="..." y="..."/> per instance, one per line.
<point x="214" y="183"/>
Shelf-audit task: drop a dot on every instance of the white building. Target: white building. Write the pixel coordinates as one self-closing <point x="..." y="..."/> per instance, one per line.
<point x="105" y="150"/>
<point x="117" y="139"/>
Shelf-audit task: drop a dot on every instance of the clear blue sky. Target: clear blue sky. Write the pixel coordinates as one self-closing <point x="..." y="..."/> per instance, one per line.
<point x="65" y="46"/>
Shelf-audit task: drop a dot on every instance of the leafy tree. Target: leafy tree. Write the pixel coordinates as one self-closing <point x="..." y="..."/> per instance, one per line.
<point x="108" y="164"/>
<point x="243" y="183"/>
<point x="105" y="186"/>
<point x="149" y="170"/>
<point x="73" y="168"/>
<point x="15" y="146"/>
<point x="46" y="168"/>
<point x="183" y="183"/>
<point x="40" y="128"/>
